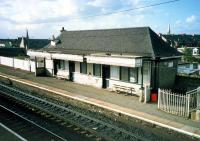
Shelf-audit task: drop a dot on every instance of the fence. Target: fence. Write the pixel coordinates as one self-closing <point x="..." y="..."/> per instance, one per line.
<point x="194" y="99"/>
<point x="178" y="104"/>
<point x="27" y="65"/>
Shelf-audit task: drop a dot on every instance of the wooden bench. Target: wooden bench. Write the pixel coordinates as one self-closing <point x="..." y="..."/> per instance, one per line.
<point x="124" y="89"/>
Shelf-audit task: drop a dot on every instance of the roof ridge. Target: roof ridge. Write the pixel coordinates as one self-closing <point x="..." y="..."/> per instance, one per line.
<point x="150" y="39"/>
<point x="122" y="28"/>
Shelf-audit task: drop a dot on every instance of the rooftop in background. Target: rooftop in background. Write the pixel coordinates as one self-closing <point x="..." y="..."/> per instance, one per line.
<point x="179" y="40"/>
<point x="33" y="43"/>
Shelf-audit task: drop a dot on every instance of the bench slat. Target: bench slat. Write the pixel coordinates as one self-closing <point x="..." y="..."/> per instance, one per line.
<point x="126" y="89"/>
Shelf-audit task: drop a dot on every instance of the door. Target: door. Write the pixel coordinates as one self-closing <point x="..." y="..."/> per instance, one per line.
<point x="55" y="66"/>
<point x="71" y="70"/>
<point x="105" y="75"/>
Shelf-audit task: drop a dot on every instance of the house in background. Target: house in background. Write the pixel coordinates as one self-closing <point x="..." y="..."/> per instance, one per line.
<point x="8" y="43"/>
<point x="130" y="58"/>
<point x="189" y="68"/>
<point x="182" y="40"/>
<point x="195" y="51"/>
<point x="18" y="47"/>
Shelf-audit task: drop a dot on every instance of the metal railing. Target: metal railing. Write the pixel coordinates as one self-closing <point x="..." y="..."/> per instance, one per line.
<point x="194" y="99"/>
<point x="179" y="104"/>
<point x="174" y="103"/>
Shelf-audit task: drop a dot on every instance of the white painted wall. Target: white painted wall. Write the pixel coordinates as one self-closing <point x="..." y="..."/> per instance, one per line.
<point x="32" y="63"/>
<point x="115" y="60"/>
<point x="49" y="67"/>
<point x="7" y="61"/>
<point x="64" y="73"/>
<point x="26" y="65"/>
<point x="49" y="63"/>
<point x="22" y="64"/>
<point x="77" y="67"/>
<point x="87" y="79"/>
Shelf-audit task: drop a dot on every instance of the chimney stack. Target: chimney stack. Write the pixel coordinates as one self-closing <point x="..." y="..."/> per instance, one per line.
<point x="63" y="29"/>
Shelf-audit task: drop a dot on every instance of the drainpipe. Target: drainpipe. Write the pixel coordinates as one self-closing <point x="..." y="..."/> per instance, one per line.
<point x="156" y="73"/>
<point x="141" y="99"/>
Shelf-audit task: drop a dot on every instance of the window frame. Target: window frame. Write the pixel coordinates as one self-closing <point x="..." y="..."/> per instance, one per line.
<point x="94" y="68"/>
<point x="81" y="70"/>
<point x="120" y="72"/>
<point x="137" y="69"/>
<point x="129" y="70"/>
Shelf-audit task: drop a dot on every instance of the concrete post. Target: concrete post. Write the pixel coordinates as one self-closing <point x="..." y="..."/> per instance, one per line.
<point x="141" y="98"/>
<point x="198" y="115"/>
<point x="146" y="93"/>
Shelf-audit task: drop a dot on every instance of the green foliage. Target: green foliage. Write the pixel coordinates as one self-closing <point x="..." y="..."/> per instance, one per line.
<point x="188" y="56"/>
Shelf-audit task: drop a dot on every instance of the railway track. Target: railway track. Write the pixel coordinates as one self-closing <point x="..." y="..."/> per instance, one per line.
<point x="35" y="117"/>
<point x="29" y="130"/>
<point x="99" y="128"/>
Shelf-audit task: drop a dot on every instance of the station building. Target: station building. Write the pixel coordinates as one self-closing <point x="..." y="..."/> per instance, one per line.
<point x="129" y="58"/>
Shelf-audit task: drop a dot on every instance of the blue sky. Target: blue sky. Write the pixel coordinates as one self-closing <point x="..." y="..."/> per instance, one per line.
<point x="43" y="18"/>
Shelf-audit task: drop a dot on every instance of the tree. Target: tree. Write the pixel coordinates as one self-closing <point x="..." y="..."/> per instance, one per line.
<point x="188" y="56"/>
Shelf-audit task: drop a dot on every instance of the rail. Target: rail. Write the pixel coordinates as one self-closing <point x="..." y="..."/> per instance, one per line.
<point x="100" y="128"/>
<point x="32" y="122"/>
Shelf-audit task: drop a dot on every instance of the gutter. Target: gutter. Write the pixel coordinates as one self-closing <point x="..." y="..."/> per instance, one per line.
<point x="172" y="57"/>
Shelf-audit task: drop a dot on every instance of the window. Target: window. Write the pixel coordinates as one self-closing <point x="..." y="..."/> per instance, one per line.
<point x="114" y="72"/>
<point x="170" y="64"/>
<point x="61" y="64"/>
<point x="195" y="66"/>
<point x="124" y="74"/>
<point x="133" y="75"/>
<point x="97" y="69"/>
<point x="129" y="74"/>
<point x="83" y="67"/>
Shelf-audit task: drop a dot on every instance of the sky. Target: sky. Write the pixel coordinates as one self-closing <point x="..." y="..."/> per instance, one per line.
<point x="44" y="18"/>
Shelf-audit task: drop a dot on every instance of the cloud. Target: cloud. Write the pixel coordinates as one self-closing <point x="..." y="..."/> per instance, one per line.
<point x="100" y="3"/>
<point x="112" y="21"/>
<point x="46" y="17"/>
<point x="22" y="11"/>
<point x="191" y="19"/>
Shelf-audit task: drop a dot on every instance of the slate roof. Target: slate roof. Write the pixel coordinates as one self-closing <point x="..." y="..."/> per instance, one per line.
<point x="33" y="43"/>
<point x="140" y="41"/>
<point x="179" y="40"/>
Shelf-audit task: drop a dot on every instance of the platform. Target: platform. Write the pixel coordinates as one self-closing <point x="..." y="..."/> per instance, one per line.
<point x="128" y="105"/>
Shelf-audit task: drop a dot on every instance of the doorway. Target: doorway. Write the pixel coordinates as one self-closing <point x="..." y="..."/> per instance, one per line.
<point x="71" y="70"/>
<point x="105" y="75"/>
<point x="55" y="66"/>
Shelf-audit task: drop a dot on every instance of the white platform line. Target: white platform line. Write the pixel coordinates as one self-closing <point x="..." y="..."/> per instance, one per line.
<point x="109" y="108"/>
<point x="14" y="133"/>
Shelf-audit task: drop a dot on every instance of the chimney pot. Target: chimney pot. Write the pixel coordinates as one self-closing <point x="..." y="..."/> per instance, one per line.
<point x="63" y="29"/>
